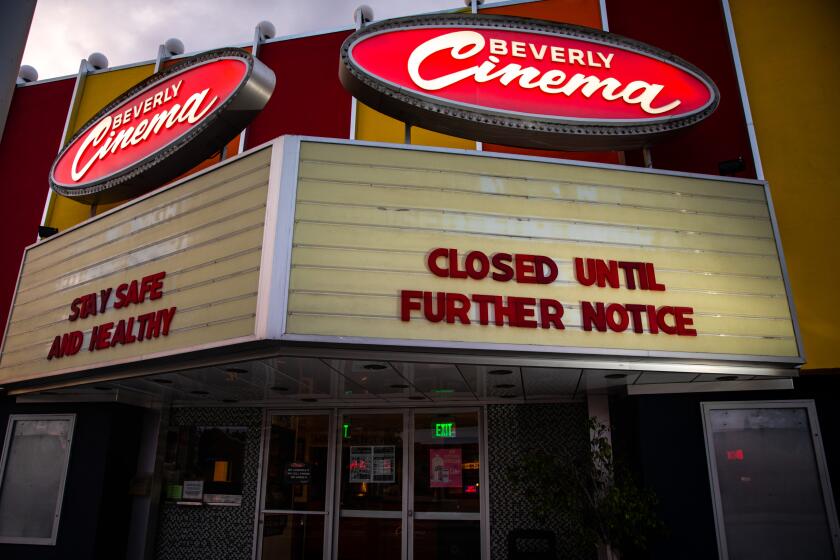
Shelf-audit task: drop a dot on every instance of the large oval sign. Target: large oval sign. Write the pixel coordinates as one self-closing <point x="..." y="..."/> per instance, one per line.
<point x="524" y="82"/>
<point x="162" y="127"/>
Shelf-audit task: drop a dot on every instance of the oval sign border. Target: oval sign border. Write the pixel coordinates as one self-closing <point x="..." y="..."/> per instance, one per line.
<point x="187" y="150"/>
<point x="499" y="126"/>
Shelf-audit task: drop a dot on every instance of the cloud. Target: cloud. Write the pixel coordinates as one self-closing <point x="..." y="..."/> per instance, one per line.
<point x="65" y="31"/>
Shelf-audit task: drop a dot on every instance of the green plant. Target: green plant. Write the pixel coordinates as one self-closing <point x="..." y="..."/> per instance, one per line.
<point x="603" y="502"/>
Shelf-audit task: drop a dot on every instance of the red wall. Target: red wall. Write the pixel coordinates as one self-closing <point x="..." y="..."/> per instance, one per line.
<point x="29" y="145"/>
<point x="695" y="31"/>
<point x="308" y="98"/>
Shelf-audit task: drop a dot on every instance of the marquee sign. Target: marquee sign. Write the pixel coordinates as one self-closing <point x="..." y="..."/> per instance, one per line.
<point x="163" y="126"/>
<point x="524" y="82"/>
<point x="420" y="248"/>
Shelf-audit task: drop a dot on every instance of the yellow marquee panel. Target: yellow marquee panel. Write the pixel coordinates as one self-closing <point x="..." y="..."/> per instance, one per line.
<point x="366" y="217"/>
<point x="206" y="234"/>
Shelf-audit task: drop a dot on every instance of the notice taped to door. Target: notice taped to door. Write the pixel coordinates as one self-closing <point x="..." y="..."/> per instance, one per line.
<point x="372" y="464"/>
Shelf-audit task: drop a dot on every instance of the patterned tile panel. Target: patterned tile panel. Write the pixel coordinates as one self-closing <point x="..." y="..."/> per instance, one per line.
<point x="214" y="533"/>
<point x="513" y="431"/>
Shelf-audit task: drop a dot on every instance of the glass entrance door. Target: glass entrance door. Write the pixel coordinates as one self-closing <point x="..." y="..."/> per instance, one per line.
<point x="446" y="505"/>
<point x="409" y="485"/>
<point x="295" y="514"/>
<point x="372" y="513"/>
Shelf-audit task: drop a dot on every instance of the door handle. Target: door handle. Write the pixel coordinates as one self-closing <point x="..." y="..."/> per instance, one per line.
<point x="410" y="513"/>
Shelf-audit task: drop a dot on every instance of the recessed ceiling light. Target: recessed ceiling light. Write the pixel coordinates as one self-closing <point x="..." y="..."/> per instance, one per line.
<point x="615" y="376"/>
<point x="399" y="386"/>
<point x="200" y="392"/>
<point x="726" y="377"/>
<point x="278" y="388"/>
<point x="163" y="381"/>
<point x="499" y="372"/>
<point x="374" y="367"/>
<point x="236" y="370"/>
<point x="505" y="386"/>
<point x="443" y="390"/>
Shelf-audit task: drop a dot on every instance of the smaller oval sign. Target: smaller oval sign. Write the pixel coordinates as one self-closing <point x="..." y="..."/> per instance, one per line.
<point x="524" y="82"/>
<point x="162" y="127"/>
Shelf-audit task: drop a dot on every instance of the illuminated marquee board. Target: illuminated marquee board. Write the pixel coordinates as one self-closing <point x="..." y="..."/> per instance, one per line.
<point x="421" y="248"/>
<point x="524" y="82"/>
<point x="163" y="126"/>
<point x="158" y="276"/>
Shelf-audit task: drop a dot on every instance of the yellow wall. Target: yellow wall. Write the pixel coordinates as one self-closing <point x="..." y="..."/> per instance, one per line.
<point x="373" y="126"/>
<point x="792" y="73"/>
<point x="98" y="91"/>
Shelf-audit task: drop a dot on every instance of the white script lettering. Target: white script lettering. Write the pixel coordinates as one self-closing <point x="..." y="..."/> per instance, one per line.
<point x="466" y="44"/>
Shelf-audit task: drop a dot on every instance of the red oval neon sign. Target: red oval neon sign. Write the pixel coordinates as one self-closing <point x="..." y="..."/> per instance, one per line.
<point x="163" y="126"/>
<point x="524" y="82"/>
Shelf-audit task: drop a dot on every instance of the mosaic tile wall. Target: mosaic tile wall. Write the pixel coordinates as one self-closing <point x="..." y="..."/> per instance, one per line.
<point x="211" y="533"/>
<point x="514" y="430"/>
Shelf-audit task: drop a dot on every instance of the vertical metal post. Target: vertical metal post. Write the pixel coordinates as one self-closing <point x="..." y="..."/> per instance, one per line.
<point x="604" y="22"/>
<point x="474" y="6"/>
<point x="647" y="156"/>
<point x="353" y="109"/>
<point x="598" y="406"/>
<point x="255" y="48"/>
<point x="84" y="69"/>
<point x="407" y="139"/>
<point x="161" y="56"/>
<point x="742" y="89"/>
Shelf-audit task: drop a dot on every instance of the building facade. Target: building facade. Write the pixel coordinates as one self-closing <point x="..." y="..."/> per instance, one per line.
<point x="342" y="336"/>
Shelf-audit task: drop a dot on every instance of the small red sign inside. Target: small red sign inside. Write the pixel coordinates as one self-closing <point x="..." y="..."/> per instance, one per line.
<point x="735" y="455"/>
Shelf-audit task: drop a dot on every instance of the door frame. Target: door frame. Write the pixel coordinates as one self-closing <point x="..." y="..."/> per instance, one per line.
<point x="265" y="441"/>
<point x="336" y="500"/>
<point x="407" y="513"/>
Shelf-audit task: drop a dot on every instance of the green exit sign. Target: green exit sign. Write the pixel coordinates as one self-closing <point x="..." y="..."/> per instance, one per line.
<point x="444" y="429"/>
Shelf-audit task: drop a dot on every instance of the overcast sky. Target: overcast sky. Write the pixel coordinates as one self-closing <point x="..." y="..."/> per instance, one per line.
<point x="65" y="31"/>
